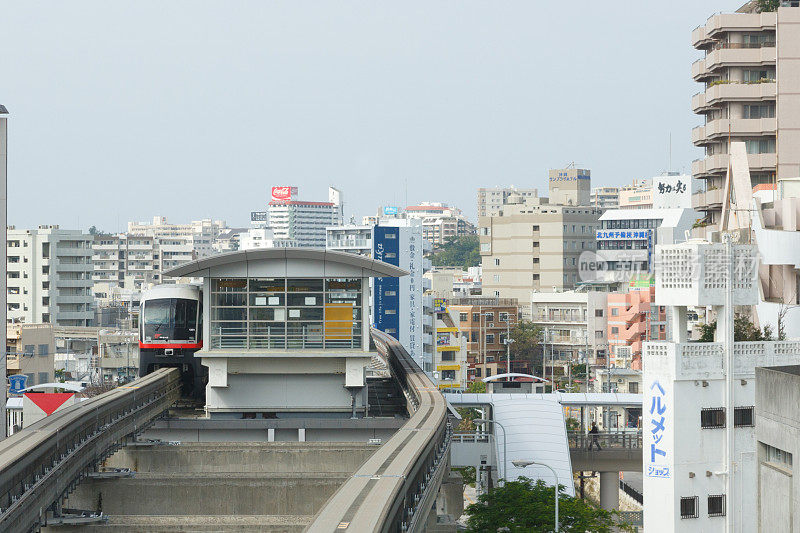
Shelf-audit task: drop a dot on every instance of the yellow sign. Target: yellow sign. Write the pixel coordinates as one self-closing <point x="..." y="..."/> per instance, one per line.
<point x="446" y="330"/>
<point x="448" y="367"/>
<point x="449" y="386"/>
<point x="447" y="348"/>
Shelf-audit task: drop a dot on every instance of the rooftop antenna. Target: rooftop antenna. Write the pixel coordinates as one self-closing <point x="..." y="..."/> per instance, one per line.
<point x="669" y="160"/>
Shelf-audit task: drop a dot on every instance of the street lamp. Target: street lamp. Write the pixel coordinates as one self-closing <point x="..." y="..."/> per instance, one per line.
<point x="505" y="455"/>
<point x="521" y="463"/>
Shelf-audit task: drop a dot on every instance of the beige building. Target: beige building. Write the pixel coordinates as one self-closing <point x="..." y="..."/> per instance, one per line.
<point x="30" y="350"/>
<point x="535" y="248"/>
<point x="570" y="186"/>
<point x="605" y="197"/>
<point x="637" y="195"/>
<point x="750" y="71"/>
<point x="492" y="199"/>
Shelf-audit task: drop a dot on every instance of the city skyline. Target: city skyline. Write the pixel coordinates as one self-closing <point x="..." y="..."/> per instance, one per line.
<point x="155" y="120"/>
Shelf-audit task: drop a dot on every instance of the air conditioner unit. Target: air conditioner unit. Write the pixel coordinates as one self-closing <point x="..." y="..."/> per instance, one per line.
<point x="490" y="325"/>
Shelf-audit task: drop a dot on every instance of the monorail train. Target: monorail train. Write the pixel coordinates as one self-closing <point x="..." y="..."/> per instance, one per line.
<point x="170" y="332"/>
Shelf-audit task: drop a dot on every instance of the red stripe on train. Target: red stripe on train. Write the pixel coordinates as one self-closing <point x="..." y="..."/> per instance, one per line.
<point x="190" y="346"/>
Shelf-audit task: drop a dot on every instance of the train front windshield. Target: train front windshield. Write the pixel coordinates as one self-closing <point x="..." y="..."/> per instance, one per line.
<point x="170" y="319"/>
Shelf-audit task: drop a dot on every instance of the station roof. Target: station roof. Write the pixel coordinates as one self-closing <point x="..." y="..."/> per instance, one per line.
<point x="286" y="262"/>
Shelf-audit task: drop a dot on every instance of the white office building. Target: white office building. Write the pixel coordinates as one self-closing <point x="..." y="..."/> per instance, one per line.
<point x="200" y="233"/>
<point x="49" y="273"/>
<point x="699" y="444"/>
<point x="300" y="223"/>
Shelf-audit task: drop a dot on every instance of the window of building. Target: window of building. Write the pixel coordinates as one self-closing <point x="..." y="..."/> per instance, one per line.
<point x="503" y="317"/>
<point x="712" y="417"/>
<point x="390" y="236"/>
<point x="29" y="349"/>
<point x="488" y="316"/>
<point x="463" y="317"/>
<point x="477" y="372"/>
<point x="535" y="228"/>
<point x="536" y="277"/>
<point x="44" y="349"/>
<point x="614" y="330"/>
<point x="448" y="375"/>
<point x="497" y="261"/>
<point x="598" y="334"/>
<point x="490" y="338"/>
<point x="633" y="387"/>
<point x="44" y="377"/>
<point x="689" y="506"/>
<point x="758" y="111"/>
<point x="488" y="372"/>
<point x="615" y="311"/>
<point x="777" y="456"/>
<point x="497" y="293"/>
<point x="716" y="505"/>
<point x="760" y="146"/>
<point x="535" y="244"/>
<point x="503" y="339"/>
<point x="449" y="356"/>
<point x="743" y="417"/>
<point x="598" y="312"/>
<point x="473" y="336"/>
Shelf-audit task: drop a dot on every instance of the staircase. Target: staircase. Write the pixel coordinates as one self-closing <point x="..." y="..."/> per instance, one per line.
<point x="385" y="397"/>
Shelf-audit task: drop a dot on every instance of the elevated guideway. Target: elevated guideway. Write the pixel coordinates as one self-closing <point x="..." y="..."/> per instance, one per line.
<point x="41" y="464"/>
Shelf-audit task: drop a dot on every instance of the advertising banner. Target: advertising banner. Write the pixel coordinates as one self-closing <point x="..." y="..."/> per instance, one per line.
<point x="284" y="193"/>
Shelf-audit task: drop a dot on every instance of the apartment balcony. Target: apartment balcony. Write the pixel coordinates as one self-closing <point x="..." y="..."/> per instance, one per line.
<point x="72" y="283"/>
<point x="740" y="127"/>
<point x="74" y="299"/>
<point x="74" y="267"/>
<point x="699" y="102"/>
<point x="73" y="252"/>
<point x="72" y="315"/>
<point x="716" y="164"/>
<point x="739" y="22"/>
<point x="699" y="71"/>
<point x="105" y="247"/>
<point x="700" y="37"/>
<point x="13" y="362"/>
<point x="733" y="91"/>
<point x="706" y="200"/>
<point x="730" y="57"/>
<point x="105" y="257"/>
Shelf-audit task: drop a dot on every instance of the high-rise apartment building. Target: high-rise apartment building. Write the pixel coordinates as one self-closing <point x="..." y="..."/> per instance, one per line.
<point x="49" y="273"/>
<point x="535" y="248"/>
<point x="200" y="233"/>
<point x="749" y="71"/>
<point x="298" y="223"/>
<point x="492" y="199"/>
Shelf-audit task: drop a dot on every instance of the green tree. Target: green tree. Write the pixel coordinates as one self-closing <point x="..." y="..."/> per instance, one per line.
<point x="743" y="330"/>
<point x="527" y="506"/>
<point x="767" y="5"/>
<point x="527" y="338"/>
<point x="468" y="414"/>
<point x="460" y="251"/>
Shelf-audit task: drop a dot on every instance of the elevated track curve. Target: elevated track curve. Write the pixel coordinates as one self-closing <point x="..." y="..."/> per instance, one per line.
<point x="42" y="463"/>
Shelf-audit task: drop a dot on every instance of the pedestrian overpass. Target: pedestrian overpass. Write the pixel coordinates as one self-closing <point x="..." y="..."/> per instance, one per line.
<point x="532" y="427"/>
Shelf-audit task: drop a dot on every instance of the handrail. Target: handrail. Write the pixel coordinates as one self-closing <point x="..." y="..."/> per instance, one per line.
<point x="43" y="462"/>
<point x="394" y="489"/>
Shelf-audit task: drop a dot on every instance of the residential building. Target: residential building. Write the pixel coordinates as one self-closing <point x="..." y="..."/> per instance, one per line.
<point x="135" y="262"/>
<point x="454" y="282"/>
<point x="748" y="70"/>
<point x="49" y="273"/>
<point x="605" y="197"/>
<point x="485" y="323"/>
<point x="492" y="199"/>
<point x="201" y="233"/>
<point x="117" y="354"/>
<point x="450" y="357"/>
<point x="529" y="248"/>
<point x="440" y="222"/>
<point x="30" y="350"/>
<point x="638" y="195"/>
<point x="229" y="240"/>
<point x="699" y="440"/>
<point x="400" y="306"/>
<point x="574" y="325"/>
<point x="633" y="318"/>
<point x="299" y="223"/>
<point x="570" y="186"/>
<point x="620" y="380"/>
<point x="253" y="238"/>
<point x="777" y="447"/>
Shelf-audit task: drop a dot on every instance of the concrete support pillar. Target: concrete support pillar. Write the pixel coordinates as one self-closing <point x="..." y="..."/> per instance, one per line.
<point x="609" y="490"/>
<point x="677" y="319"/>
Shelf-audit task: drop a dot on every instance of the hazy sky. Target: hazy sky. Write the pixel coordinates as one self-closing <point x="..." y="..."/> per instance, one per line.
<point x="125" y="110"/>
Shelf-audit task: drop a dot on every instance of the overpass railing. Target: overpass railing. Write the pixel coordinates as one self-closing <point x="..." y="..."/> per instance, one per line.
<point x="41" y="464"/>
<point x="395" y="489"/>
<point x="579" y="440"/>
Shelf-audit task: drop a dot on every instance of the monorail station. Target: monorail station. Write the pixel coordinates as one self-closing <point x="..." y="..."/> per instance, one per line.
<point x="286" y="331"/>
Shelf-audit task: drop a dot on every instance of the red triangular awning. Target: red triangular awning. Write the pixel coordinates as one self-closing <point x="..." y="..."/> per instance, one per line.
<point x="49" y="401"/>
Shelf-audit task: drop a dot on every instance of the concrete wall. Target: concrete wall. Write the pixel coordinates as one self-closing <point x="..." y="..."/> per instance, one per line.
<point x="778" y="426"/>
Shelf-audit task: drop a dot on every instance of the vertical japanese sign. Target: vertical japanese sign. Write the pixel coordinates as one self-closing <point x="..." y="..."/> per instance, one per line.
<point x="386" y="302"/>
<point x="657" y="432"/>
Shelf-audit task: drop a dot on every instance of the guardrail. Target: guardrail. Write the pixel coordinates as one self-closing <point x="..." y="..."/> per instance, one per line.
<point x="394" y="490"/>
<point x="615" y="441"/>
<point x="630" y="491"/>
<point x="42" y="463"/>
